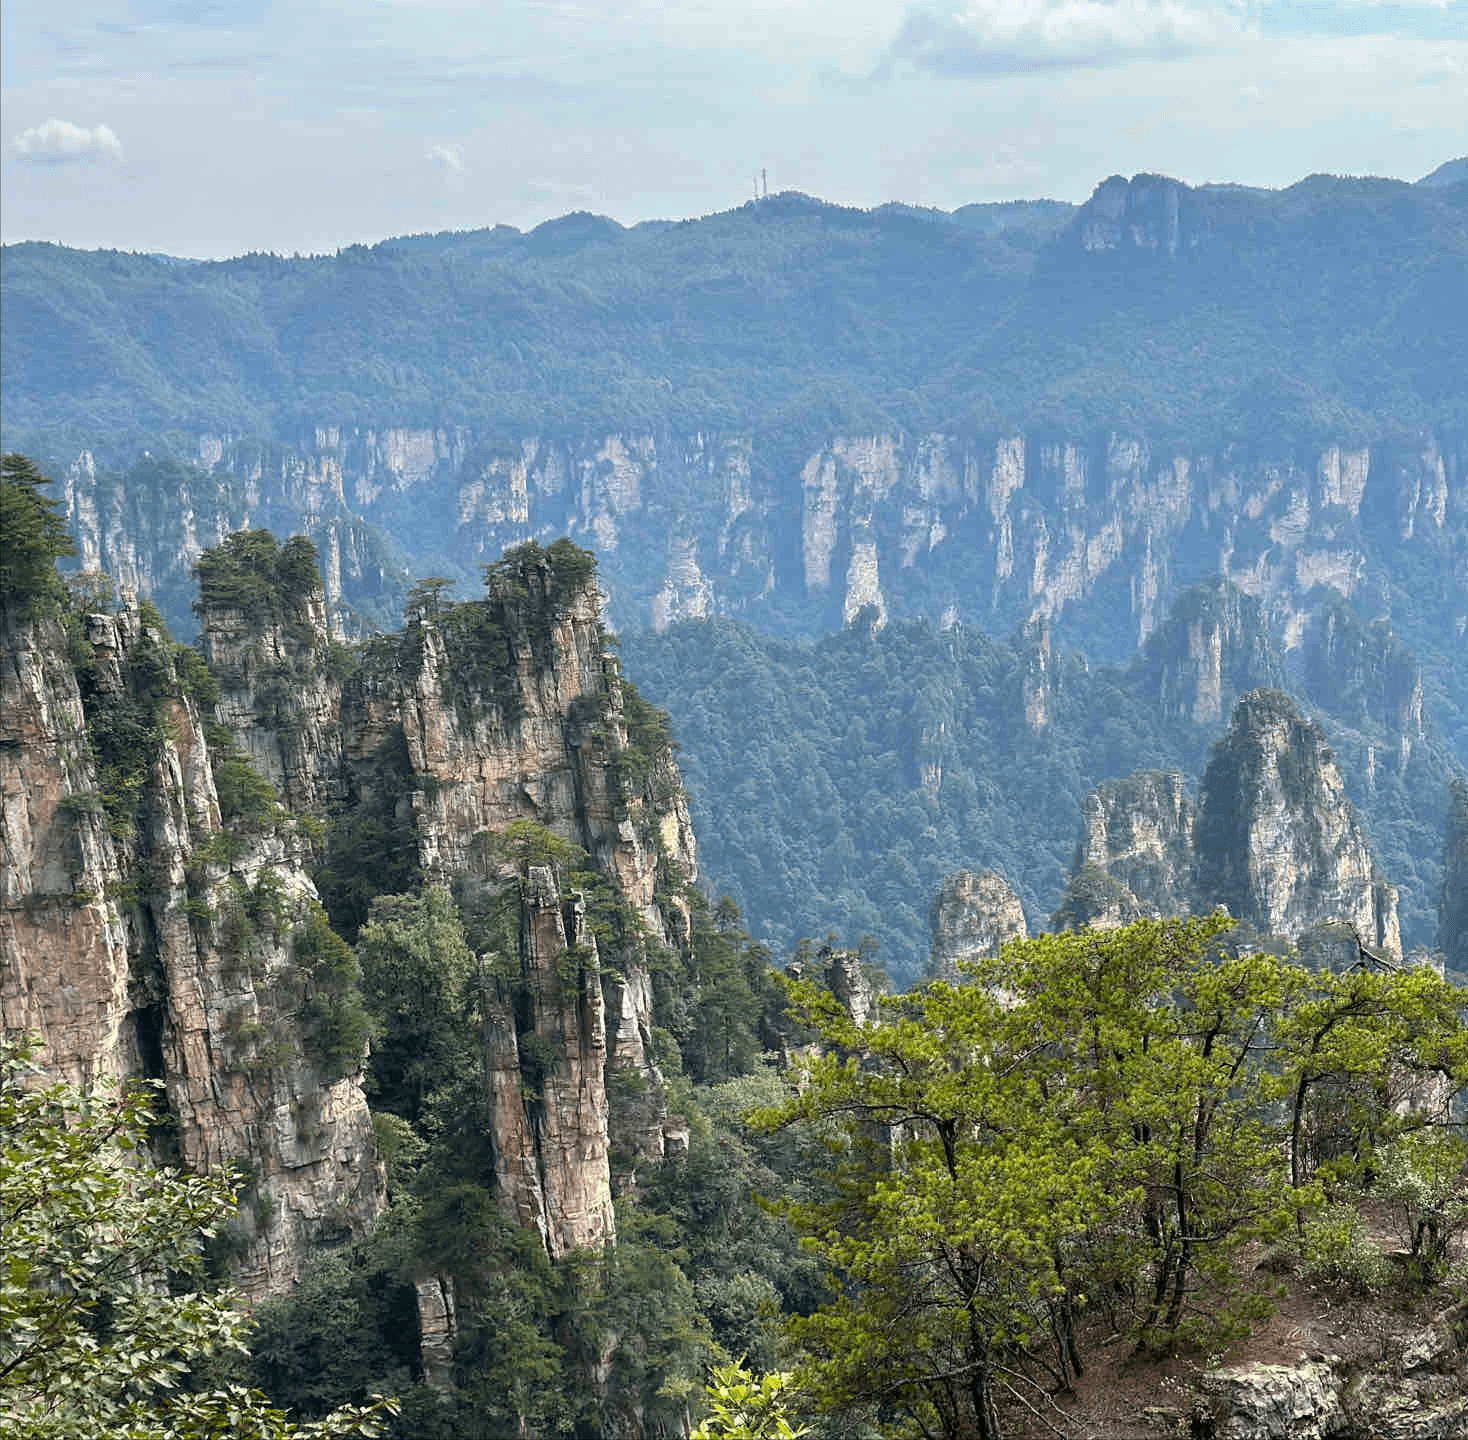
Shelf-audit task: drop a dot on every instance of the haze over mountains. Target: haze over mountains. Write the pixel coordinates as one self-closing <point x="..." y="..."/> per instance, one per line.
<point x="1030" y="420"/>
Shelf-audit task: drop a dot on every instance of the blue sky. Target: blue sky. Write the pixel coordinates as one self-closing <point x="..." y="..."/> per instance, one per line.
<point x="210" y="129"/>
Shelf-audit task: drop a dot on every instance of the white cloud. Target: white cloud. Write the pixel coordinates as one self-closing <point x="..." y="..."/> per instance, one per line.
<point x="998" y="37"/>
<point x="59" y="142"/>
<point x="449" y="157"/>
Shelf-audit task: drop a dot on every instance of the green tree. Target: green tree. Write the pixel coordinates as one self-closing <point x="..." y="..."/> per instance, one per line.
<point x="100" y="1326"/>
<point x="33" y="537"/>
<point x="1092" y="1122"/>
<point x="748" y="1407"/>
<point x="416" y="968"/>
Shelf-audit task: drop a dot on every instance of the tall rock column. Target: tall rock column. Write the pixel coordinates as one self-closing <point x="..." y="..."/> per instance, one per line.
<point x="1276" y="840"/>
<point x="971" y="917"/>
<point x="1453" y="905"/>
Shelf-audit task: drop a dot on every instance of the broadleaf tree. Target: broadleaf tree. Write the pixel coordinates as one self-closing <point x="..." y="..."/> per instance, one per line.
<point x="104" y="1312"/>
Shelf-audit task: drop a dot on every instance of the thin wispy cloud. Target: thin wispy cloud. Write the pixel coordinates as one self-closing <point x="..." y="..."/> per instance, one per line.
<point x="999" y="37"/>
<point x="446" y="157"/>
<point x="59" y="142"/>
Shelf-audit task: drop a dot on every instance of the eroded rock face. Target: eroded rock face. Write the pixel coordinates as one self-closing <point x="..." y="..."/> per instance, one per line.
<point x="1140" y="831"/>
<point x="1453" y="906"/>
<point x="278" y="697"/>
<point x="970" y="918"/>
<point x="848" y="982"/>
<point x="518" y="714"/>
<point x="160" y="938"/>
<point x="1276" y="839"/>
<point x="1213" y="646"/>
<point x="1416" y="1392"/>
<point x="1273" y="838"/>
<point x="1272" y="1402"/>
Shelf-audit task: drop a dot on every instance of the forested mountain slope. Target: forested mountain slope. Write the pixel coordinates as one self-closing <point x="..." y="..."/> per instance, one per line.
<point x="792" y="410"/>
<point x="836" y="782"/>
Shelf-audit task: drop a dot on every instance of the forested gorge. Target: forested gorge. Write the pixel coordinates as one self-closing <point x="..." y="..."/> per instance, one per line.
<point x="877" y="1215"/>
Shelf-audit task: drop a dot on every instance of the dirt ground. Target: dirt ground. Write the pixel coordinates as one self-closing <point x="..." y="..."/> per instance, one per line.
<point x="1124" y="1396"/>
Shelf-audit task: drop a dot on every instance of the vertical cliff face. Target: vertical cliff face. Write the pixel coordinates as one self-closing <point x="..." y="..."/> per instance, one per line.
<point x="1453" y="907"/>
<point x="508" y="712"/>
<point x="278" y="692"/>
<point x="1363" y="674"/>
<point x="64" y="945"/>
<point x="158" y="923"/>
<point x="1140" y="832"/>
<point x="1276" y="839"/>
<point x="970" y="918"/>
<point x="1273" y="838"/>
<point x="1214" y="646"/>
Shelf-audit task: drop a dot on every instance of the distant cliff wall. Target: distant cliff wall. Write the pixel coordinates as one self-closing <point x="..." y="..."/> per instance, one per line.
<point x="989" y="530"/>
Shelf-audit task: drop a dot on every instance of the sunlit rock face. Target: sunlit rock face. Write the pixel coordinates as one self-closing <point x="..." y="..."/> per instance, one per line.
<point x="134" y="943"/>
<point x="1273" y="838"/>
<point x="1276" y="840"/>
<point x="1140" y="831"/>
<point x="176" y="942"/>
<point x="1098" y="533"/>
<point x="970" y="918"/>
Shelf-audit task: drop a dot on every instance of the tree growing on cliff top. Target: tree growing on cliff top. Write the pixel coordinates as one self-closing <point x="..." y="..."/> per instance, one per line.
<point x="101" y="1315"/>
<point x="1096" y="1127"/>
<point x="33" y="536"/>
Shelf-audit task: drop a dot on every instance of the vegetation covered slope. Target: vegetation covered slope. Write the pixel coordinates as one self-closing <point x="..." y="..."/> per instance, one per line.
<point x="835" y="782"/>
<point x="788" y="315"/>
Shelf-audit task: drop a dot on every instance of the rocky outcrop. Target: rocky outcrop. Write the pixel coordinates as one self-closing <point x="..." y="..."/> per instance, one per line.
<point x="1271" y="1402"/>
<point x="1140" y="832"/>
<point x="278" y="694"/>
<point x="970" y="918"/>
<point x="1415" y="1392"/>
<point x="993" y="529"/>
<point x="1453" y="906"/>
<point x="1365" y="676"/>
<point x="1214" y="646"/>
<point x="1094" y="900"/>
<point x="157" y="922"/>
<point x="848" y="981"/>
<point x="1276" y="839"/>
<point x="147" y="930"/>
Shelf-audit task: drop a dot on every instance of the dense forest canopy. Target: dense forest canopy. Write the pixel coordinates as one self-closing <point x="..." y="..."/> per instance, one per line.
<point x="789" y="317"/>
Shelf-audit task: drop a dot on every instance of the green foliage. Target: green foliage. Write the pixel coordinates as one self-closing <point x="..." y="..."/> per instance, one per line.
<point x="249" y="572"/>
<point x="416" y="973"/>
<point x="1335" y="1250"/>
<point x="194" y="675"/>
<point x="834" y="783"/>
<point x="33" y="537"/>
<point x="1090" y="1121"/>
<point x="649" y="738"/>
<point x="748" y="1407"/>
<point x="371" y="845"/>
<point x="787" y="313"/>
<point x="337" y="1021"/>
<point x="1422" y="1174"/>
<point x="245" y="795"/>
<point x="92" y="1345"/>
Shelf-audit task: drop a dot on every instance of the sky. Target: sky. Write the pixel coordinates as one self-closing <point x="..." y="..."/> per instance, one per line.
<point x="200" y="128"/>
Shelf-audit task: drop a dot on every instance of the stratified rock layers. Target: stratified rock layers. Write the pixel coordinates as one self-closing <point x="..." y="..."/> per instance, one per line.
<point x="1273" y="838"/>
<point x="970" y="918"/>
<point x="132" y="945"/>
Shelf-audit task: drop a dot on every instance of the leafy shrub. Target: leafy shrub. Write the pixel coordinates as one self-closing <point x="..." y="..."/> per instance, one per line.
<point x="1336" y="1251"/>
<point x="337" y="1023"/>
<point x="244" y="794"/>
<point x="32" y="538"/>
